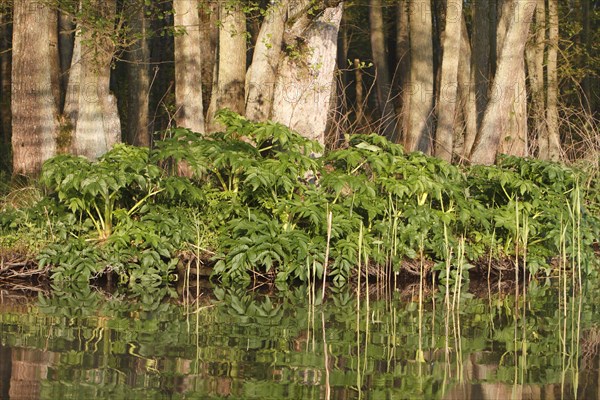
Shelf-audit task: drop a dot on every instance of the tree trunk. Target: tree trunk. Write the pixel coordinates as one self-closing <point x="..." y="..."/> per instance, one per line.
<point x="209" y="32"/>
<point x="229" y="82"/>
<point x="466" y="91"/>
<point x="403" y="62"/>
<point x="91" y="108"/>
<point x="139" y="81"/>
<point x="303" y="87"/>
<point x="534" y="55"/>
<point x="5" y="83"/>
<point x="383" y="80"/>
<point x="418" y="134"/>
<point x="260" y="82"/>
<point x="34" y="110"/>
<point x="497" y="114"/>
<point x="514" y="137"/>
<point x="481" y="55"/>
<point x="188" y="71"/>
<point x="448" y="96"/>
<point x="66" y="41"/>
<point x="554" y="148"/>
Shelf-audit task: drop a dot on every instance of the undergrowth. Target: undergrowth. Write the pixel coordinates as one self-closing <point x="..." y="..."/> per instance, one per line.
<point x="255" y="201"/>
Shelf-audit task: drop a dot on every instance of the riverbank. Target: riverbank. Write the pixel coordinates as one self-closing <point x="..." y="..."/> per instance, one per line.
<point x="264" y="208"/>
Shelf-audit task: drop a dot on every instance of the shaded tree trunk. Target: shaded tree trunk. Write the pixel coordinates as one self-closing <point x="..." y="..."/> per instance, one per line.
<point x="209" y="32"/>
<point x="418" y="134"/>
<point x="554" y="149"/>
<point x="229" y="81"/>
<point x="139" y="81"/>
<point x="466" y="92"/>
<point x="497" y="114"/>
<point x="383" y="80"/>
<point x="34" y="109"/>
<point x="448" y="94"/>
<point x="260" y="78"/>
<point x="403" y="62"/>
<point x="534" y="56"/>
<point x="188" y="71"/>
<point x="481" y="55"/>
<point x="5" y="81"/>
<point x="66" y="41"/>
<point x="303" y="87"/>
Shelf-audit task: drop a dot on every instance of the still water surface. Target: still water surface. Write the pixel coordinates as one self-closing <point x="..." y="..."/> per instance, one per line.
<point x="79" y="343"/>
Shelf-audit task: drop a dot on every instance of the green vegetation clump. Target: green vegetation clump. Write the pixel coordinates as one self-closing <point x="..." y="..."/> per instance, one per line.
<point x="255" y="201"/>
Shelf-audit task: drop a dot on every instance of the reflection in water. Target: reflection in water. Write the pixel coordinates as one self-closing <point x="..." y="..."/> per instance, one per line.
<point x="79" y="344"/>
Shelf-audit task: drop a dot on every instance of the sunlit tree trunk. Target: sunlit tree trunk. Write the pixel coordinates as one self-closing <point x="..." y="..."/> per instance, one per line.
<point x="229" y="81"/>
<point x="514" y="136"/>
<point x="497" y="114"/>
<point x="448" y="96"/>
<point x="403" y="62"/>
<point x="34" y="108"/>
<point x="189" y="111"/>
<point x="95" y="119"/>
<point x="418" y="134"/>
<point x="554" y="148"/>
<point x="303" y="87"/>
<point x="139" y="80"/>
<point x="260" y="78"/>
<point x="534" y="55"/>
<point x="383" y="80"/>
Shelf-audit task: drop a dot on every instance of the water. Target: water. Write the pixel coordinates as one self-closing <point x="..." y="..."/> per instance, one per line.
<point x="79" y="343"/>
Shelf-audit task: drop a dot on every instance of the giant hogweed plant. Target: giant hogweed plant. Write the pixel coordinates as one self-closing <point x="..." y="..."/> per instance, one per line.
<point x="263" y="194"/>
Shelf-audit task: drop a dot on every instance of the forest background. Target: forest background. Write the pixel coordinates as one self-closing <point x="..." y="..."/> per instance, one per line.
<point x="461" y="80"/>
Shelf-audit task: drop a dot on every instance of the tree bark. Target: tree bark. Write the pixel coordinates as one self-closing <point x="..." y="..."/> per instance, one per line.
<point x="534" y="55"/>
<point x="229" y="82"/>
<point x="448" y="96"/>
<point x="481" y="55"/>
<point x="91" y="108"/>
<point x="34" y="110"/>
<point x="554" y="148"/>
<point x="403" y="62"/>
<point x="383" y="80"/>
<point x="209" y="32"/>
<point x="514" y="137"/>
<point x="5" y="81"/>
<point x="497" y="113"/>
<point x="303" y="86"/>
<point x="139" y="80"/>
<point x="466" y="92"/>
<point x="418" y="134"/>
<point x="66" y="41"/>
<point x="260" y="78"/>
<point x="188" y="71"/>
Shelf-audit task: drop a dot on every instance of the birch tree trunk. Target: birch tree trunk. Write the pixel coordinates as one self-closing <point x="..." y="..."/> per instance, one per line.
<point x="260" y="78"/>
<point x="446" y="109"/>
<point x="383" y="80"/>
<point x="497" y="114"/>
<point x="418" y="134"/>
<point x="303" y="86"/>
<point x="188" y="71"/>
<point x="91" y="107"/>
<point x="554" y="148"/>
<point x="34" y="108"/>
<point x="229" y="81"/>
